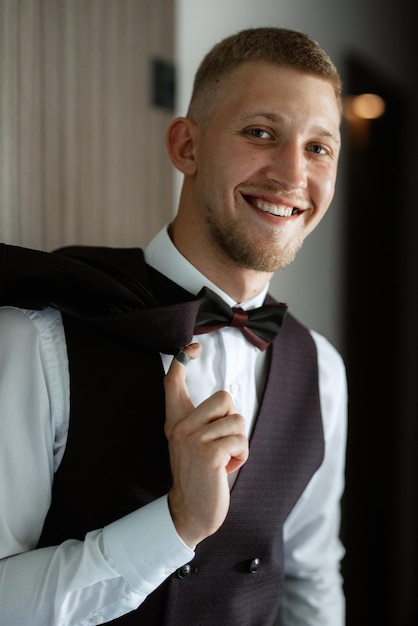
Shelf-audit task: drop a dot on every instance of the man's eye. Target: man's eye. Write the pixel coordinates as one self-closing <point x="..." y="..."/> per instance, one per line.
<point x="317" y="149"/>
<point x="259" y="133"/>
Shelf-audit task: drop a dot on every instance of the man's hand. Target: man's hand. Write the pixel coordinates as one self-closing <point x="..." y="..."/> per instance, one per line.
<point x="206" y="443"/>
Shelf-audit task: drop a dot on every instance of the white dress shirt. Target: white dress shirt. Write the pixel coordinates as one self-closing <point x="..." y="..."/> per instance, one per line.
<point x="111" y="572"/>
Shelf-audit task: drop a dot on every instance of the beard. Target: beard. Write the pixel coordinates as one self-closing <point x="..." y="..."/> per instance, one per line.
<point x="261" y="254"/>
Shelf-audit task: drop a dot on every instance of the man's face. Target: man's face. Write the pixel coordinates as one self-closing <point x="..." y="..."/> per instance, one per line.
<point x="266" y="164"/>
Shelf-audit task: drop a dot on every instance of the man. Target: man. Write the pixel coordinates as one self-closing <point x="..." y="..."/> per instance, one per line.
<point x="202" y="489"/>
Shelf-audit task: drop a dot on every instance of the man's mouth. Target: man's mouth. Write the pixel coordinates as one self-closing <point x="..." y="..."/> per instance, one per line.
<point x="279" y="210"/>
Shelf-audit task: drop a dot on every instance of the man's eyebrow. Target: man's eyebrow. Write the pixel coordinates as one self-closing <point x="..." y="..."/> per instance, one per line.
<point x="273" y="117"/>
<point x="321" y="131"/>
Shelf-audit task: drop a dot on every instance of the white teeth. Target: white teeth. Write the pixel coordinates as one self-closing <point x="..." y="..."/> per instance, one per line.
<point x="274" y="209"/>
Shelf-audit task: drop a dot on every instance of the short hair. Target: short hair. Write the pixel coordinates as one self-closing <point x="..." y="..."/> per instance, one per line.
<point x="283" y="46"/>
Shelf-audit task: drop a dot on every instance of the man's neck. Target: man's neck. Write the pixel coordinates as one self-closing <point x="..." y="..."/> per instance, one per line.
<point x="240" y="283"/>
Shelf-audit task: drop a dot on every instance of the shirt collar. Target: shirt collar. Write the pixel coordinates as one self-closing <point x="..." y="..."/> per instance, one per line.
<point x="162" y="255"/>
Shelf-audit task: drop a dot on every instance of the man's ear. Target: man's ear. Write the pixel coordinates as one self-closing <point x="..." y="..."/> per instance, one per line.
<point x="181" y="144"/>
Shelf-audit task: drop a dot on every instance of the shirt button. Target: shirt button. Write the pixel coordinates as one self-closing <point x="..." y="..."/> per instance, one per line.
<point x="184" y="571"/>
<point x="97" y="619"/>
<point x="234" y="388"/>
<point x="254" y="565"/>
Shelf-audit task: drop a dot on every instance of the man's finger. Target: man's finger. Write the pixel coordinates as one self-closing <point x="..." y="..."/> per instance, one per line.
<point x="177" y="399"/>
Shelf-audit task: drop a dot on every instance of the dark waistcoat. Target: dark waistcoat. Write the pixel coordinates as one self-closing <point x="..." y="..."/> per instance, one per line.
<point x="116" y="460"/>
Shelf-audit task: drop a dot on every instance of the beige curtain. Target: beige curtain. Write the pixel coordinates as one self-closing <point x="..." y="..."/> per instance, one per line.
<point x="82" y="155"/>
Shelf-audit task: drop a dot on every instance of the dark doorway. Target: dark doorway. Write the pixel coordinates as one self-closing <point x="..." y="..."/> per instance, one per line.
<point x="375" y="223"/>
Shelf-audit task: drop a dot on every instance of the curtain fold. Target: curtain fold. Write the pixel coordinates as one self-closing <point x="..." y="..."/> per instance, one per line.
<point x="82" y="154"/>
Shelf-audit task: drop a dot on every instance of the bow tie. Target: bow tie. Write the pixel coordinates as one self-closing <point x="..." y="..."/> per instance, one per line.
<point x="260" y="326"/>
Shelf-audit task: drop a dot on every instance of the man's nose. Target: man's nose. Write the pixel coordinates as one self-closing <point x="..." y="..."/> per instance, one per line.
<point x="288" y="166"/>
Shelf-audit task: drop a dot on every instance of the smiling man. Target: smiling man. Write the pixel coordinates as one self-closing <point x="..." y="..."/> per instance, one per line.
<point x="259" y="171"/>
<point x="205" y="488"/>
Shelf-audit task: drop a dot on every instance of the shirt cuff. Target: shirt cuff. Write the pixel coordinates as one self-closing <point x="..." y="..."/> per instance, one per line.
<point x="144" y="546"/>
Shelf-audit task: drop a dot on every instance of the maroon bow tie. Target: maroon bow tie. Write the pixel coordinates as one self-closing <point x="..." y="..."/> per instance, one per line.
<point x="260" y="326"/>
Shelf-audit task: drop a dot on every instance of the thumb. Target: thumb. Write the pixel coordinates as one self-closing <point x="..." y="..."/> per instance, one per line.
<point x="177" y="400"/>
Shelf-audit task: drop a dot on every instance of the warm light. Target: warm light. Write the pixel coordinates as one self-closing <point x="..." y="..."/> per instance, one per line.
<point x="367" y="106"/>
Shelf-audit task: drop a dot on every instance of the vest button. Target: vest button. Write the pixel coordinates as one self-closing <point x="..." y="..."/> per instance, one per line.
<point x="254" y="565"/>
<point x="184" y="571"/>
